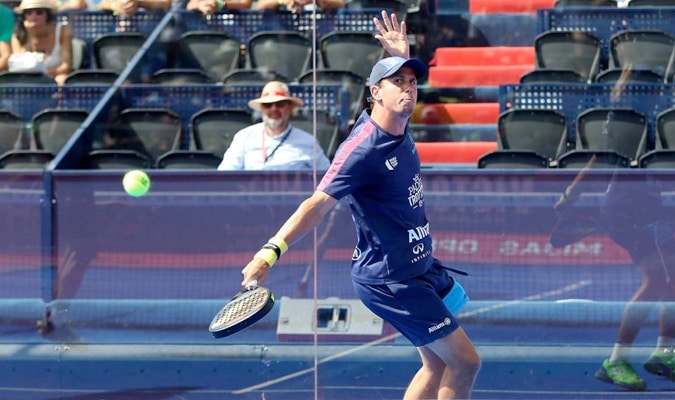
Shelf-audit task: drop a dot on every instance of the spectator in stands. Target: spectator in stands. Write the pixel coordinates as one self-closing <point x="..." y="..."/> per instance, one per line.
<point x="274" y="143"/>
<point x="297" y="6"/>
<point x="41" y="43"/>
<point x="378" y="170"/>
<point x="210" y="7"/>
<point x="632" y="215"/>
<point x="65" y="5"/>
<point x="6" y="28"/>
<point x="127" y="8"/>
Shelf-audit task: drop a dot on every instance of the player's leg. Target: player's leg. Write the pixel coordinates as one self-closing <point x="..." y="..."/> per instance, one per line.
<point x="662" y="360"/>
<point x="462" y="364"/>
<point x="617" y="369"/>
<point x="415" y="308"/>
<point x="427" y="380"/>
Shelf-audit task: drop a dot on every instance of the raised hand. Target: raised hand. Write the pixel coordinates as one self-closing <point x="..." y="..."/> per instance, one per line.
<point x="393" y="36"/>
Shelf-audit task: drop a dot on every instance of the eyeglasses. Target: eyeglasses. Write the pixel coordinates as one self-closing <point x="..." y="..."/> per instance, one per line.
<point x="37" y="11"/>
<point x="278" y="104"/>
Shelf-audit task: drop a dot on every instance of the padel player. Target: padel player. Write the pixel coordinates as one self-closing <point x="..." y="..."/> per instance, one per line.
<point x="377" y="169"/>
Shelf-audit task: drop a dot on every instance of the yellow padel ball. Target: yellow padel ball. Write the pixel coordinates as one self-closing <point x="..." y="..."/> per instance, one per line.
<point x="136" y="183"/>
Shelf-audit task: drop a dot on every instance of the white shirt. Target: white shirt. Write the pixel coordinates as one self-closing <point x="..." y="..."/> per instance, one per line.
<point x="253" y="149"/>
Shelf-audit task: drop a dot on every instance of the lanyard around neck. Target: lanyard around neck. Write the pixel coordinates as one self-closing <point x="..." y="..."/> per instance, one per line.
<point x="264" y="149"/>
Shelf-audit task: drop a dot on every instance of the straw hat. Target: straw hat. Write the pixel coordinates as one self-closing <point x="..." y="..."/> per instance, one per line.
<point x="33" y="4"/>
<point x="273" y="92"/>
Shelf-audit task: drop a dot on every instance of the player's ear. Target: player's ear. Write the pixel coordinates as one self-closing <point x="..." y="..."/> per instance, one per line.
<point x="375" y="92"/>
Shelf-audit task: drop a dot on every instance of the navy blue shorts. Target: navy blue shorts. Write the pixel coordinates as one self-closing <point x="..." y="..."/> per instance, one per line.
<point x="415" y="306"/>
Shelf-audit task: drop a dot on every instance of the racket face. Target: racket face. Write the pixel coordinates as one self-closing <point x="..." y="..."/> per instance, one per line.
<point x="243" y="310"/>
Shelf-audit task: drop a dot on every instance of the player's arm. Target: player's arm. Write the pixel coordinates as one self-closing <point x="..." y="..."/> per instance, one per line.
<point x="573" y="190"/>
<point x="309" y="214"/>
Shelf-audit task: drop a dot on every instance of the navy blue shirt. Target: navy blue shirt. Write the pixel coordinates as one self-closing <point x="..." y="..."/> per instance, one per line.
<point x="380" y="175"/>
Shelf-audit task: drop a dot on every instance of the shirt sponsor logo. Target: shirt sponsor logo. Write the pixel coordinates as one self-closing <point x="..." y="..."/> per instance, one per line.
<point x="419" y="251"/>
<point x="416" y="192"/>
<point x="418" y="233"/>
<point x="446" y="322"/>
<point x="357" y="254"/>
<point x="391" y="163"/>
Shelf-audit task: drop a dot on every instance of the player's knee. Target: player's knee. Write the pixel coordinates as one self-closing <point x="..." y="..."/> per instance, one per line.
<point x="470" y="364"/>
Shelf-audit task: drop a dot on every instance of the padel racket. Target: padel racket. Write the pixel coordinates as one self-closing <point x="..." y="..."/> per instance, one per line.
<point x="245" y="308"/>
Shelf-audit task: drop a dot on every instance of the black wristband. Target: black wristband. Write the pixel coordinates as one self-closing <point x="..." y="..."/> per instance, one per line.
<point x="273" y="247"/>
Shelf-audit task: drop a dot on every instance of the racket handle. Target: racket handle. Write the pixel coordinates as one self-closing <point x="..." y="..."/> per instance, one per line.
<point x="252" y="285"/>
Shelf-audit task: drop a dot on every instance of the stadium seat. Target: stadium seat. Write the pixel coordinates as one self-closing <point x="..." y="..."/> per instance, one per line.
<point x="81" y="56"/>
<point x="651" y="3"/>
<point x="181" y="76"/>
<point x="594" y="159"/>
<point x="352" y="83"/>
<point x="354" y="51"/>
<point x="552" y="76"/>
<point x="11" y="131"/>
<point x="214" y="52"/>
<point x="287" y="53"/>
<point x="543" y="132"/>
<point x="188" y="159"/>
<point x="114" y="51"/>
<point x="252" y="76"/>
<point x="658" y="159"/>
<point x="614" y="75"/>
<point x="52" y="128"/>
<point x="213" y="128"/>
<point x="665" y="129"/>
<point x="327" y="128"/>
<point x="117" y="159"/>
<point x="644" y="49"/>
<point x="500" y="159"/>
<point x="25" y="78"/>
<point x="25" y="159"/>
<point x="577" y="51"/>
<point x="619" y="130"/>
<point x="92" y="77"/>
<point x="151" y="131"/>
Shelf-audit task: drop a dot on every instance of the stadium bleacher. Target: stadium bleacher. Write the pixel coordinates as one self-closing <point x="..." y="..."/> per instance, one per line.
<point x="472" y="78"/>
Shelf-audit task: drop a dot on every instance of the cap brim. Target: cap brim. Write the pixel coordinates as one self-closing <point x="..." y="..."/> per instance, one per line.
<point x="417" y="66"/>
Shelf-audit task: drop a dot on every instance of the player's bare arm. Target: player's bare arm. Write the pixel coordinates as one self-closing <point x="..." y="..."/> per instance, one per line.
<point x="309" y="214"/>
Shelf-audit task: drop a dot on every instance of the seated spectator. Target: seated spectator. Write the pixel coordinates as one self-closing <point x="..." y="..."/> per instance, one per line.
<point x="39" y="42"/>
<point x="274" y="144"/>
<point x="210" y="7"/>
<point x="297" y="6"/>
<point x="65" y="5"/>
<point x="127" y="8"/>
<point x="6" y="28"/>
